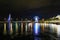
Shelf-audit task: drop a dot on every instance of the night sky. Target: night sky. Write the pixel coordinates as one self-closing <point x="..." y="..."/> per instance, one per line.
<point x="29" y="8"/>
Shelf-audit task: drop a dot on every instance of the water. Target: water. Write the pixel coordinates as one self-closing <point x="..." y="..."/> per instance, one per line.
<point x="42" y="35"/>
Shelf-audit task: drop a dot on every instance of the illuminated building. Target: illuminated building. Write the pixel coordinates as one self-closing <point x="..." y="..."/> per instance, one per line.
<point x="28" y="26"/>
<point x="58" y="16"/>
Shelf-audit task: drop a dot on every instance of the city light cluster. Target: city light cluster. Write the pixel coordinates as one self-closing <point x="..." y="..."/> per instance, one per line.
<point x="35" y="26"/>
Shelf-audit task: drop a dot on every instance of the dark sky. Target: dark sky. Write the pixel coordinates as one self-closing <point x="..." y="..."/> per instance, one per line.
<point x="44" y="8"/>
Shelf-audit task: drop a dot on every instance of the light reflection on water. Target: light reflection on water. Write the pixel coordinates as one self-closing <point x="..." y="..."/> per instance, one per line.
<point x="37" y="38"/>
<point x="36" y="29"/>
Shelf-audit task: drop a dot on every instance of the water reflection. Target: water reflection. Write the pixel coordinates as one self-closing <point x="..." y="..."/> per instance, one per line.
<point x="36" y="29"/>
<point x="37" y="38"/>
<point x="5" y="28"/>
<point x="45" y="31"/>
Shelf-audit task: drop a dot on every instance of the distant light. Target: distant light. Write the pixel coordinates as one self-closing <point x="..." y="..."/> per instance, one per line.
<point x="58" y="16"/>
<point x="16" y="24"/>
<point x="9" y="18"/>
<point x="58" y="30"/>
<point x="36" y="26"/>
<point x="30" y="24"/>
<point x="10" y="30"/>
<point x="36" y="18"/>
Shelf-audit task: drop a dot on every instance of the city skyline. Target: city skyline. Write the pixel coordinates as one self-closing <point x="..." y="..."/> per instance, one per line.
<point x="30" y="19"/>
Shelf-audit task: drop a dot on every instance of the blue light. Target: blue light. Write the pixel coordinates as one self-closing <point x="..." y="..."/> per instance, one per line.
<point x="36" y="18"/>
<point x="36" y="26"/>
<point x="9" y="18"/>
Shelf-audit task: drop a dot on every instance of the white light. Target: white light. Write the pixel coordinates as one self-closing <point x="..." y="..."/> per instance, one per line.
<point x="16" y="27"/>
<point x="30" y="24"/>
<point x="58" y="30"/>
<point x="36" y="25"/>
<point x="36" y="28"/>
<point x="26" y="27"/>
<point x="36" y="18"/>
<point x="11" y="29"/>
